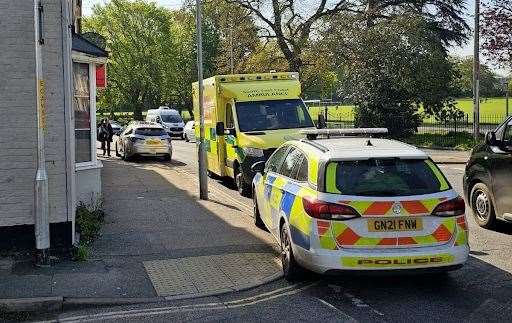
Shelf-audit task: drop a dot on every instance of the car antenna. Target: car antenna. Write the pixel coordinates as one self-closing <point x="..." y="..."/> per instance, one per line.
<point x="369" y="143"/>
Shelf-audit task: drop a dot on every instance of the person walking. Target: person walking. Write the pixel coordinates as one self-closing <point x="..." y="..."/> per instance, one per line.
<point x="105" y="134"/>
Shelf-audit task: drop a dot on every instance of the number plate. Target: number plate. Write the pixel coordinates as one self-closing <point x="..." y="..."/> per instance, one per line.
<point x="152" y="142"/>
<point x="394" y="225"/>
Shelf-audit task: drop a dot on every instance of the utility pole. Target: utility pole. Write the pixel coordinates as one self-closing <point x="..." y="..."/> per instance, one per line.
<point x="476" y="74"/>
<point x="231" y="60"/>
<point x="203" y="176"/>
<point x="42" y="226"/>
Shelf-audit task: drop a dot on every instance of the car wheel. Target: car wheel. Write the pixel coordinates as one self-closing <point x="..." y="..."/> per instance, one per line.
<point x="482" y="206"/>
<point x="243" y="188"/>
<point x="291" y="269"/>
<point x="256" y="212"/>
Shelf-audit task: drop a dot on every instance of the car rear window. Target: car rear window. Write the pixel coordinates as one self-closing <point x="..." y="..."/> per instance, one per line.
<point x="385" y="177"/>
<point x="150" y="132"/>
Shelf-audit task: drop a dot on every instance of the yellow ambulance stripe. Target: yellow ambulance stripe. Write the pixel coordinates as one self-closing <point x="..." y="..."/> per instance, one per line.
<point x="440" y="177"/>
<point x="331" y="178"/>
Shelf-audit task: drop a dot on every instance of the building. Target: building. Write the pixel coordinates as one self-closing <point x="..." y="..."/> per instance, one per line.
<point x="69" y="69"/>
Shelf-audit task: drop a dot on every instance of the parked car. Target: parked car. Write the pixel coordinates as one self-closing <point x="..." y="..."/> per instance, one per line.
<point x="116" y="127"/>
<point x="143" y="139"/>
<point x="170" y="120"/>
<point x="488" y="177"/>
<point x="189" y="132"/>
<point x="359" y="204"/>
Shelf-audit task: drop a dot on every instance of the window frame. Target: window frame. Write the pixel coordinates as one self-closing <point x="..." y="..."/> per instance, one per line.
<point x="92" y="111"/>
<point x="285" y="148"/>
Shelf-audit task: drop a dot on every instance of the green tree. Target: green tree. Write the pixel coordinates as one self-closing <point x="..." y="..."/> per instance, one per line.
<point x="393" y="69"/>
<point x="490" y="84"/>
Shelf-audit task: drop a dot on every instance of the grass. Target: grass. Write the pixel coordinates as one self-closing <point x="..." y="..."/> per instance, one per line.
<point x="490" y="109"/>
<point x="89" y="219"/>
<point x="459" y="140"/>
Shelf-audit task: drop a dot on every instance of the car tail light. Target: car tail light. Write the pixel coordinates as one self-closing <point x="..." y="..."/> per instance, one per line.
<point x="328" y="211"/>
<point x="451" y="207"/>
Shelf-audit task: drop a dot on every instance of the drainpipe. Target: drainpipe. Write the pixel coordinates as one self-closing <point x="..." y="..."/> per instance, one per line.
<point x="42" y="226"/>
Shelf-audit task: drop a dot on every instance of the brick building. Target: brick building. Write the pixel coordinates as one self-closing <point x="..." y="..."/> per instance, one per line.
<point x="69" y="65"/>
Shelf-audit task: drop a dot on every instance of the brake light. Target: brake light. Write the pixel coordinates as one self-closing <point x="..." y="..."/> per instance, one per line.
<point x="328" y="211"/>
<point x="451" y="207"/>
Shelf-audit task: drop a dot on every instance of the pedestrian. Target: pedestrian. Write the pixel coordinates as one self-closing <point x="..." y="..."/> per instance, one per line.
<point x="105" y="134"/>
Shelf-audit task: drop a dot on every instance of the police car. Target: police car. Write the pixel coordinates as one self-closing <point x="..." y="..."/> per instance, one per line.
<point x="356" y="203"/>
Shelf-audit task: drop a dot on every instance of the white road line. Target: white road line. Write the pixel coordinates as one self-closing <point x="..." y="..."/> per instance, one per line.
<point x="347" y="318"/>
<point x="264" y="297"/>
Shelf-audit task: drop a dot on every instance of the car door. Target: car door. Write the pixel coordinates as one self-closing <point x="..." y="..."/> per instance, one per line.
<point x="283" y="193"/>
<point x="270" y="175"/>
<point x="501" y="170"/>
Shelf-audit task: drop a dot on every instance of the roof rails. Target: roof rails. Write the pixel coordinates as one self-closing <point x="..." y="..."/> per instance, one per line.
<point x="312" y="134"/>
<point x="318" y="146"/>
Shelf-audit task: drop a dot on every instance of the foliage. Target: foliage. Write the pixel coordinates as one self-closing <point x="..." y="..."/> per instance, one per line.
<point x="497" y="31"/>
<point x="490" y="84"/>
<point x="454" y="140"/>
<point x="89" y="219"/>
<point x="152" y="55"/>
<point x="391" y="70"/>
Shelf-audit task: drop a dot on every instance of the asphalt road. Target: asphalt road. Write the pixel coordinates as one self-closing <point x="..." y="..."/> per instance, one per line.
<point x="480" y="291"/>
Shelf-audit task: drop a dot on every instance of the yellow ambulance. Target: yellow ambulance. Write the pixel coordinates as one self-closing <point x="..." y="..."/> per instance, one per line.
<point x="248" y="116"/>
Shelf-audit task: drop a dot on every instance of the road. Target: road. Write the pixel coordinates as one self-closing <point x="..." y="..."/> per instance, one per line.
<point x="481" y="291"/>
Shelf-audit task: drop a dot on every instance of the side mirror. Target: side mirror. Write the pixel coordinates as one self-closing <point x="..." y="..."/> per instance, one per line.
<point x="230" y="131"/>
<point x="490" y="138"/>
<point x="258" y="166"/>
<point x="219" y="128"/>
<point x="158" y="120"/>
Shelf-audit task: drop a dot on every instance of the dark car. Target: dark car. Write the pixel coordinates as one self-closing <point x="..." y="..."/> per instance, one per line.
<point x="488" y="177"/>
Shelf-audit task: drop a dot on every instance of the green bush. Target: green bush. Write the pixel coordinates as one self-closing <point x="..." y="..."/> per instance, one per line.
<point x="89" y="219"/>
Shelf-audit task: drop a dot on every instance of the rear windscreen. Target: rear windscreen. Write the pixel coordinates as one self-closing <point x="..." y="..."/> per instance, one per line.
<point x="150" y="132"/>
<point x="384" y="177"/>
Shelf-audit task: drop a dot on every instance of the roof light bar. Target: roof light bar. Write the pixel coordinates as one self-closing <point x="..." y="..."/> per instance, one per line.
<point x="344" y="131"/>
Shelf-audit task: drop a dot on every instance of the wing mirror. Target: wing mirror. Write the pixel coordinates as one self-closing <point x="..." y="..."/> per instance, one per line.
<point x="490" y="138"/>
<point x="258" y="166"/>
<point x="219" y="128"/>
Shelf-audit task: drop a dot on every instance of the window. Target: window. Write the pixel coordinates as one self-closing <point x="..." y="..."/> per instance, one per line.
<point x="172" y="118"/>
<point x="82" y="111"/>
<point x="302" y="175"/>
<point x="274" y="162"/>
<point x="150" y="132"/>
<point x="229" y="117"/>
<point x="386" y="177"/>
<point x="272" y="114"/>
<point x="507" y="136"/>
<point x="291" y="163"/>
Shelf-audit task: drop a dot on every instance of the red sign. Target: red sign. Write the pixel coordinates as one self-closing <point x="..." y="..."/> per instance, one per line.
<point x="101" y="76"/>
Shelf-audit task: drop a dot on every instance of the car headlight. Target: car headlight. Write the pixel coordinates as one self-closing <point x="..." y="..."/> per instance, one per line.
<point x="253" y="152"/>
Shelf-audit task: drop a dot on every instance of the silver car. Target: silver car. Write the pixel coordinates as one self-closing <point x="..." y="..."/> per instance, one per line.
<point x="144" y="139"/>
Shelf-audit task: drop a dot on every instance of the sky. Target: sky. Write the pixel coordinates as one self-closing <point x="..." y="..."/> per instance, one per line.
<point x="465" y="50"/>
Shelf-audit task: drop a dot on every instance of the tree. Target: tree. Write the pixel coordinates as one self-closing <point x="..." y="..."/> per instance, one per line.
<point x="497" y="31"/>
<point x="490" y="84"/>
<point x="393" y="69"/>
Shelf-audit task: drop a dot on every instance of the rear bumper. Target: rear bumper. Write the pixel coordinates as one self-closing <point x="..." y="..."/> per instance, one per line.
<point x="422" y="259"/>
<point x="152" y="151"/>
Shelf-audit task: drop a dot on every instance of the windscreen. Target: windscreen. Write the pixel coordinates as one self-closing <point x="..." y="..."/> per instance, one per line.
<point x="150" y="132"/>
<point x="171" y="118"/>
<point x="385" y="177"/>
<point x="272" y="114"/>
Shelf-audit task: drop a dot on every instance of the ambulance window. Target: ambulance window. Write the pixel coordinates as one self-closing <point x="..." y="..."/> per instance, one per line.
<point x="302" y="175"/>
<point x="291" y="163"/>
<point x="229" y="116"/>
<point x="274" y="163"/>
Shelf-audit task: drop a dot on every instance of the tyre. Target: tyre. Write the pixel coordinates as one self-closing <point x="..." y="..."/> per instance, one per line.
<point x="256" y="212"/>
<point x="482" y="206"/>
<point x="243" y="188"/>
<point x="291" y="269"/>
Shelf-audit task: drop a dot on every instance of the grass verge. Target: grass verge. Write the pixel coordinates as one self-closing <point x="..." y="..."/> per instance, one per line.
<point x="89" y="219"/>
<point x="459" y="141"/>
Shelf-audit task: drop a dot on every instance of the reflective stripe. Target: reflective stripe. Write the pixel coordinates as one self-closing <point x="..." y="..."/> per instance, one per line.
<point x="444" y="184"/>
<point x="331" y="178"/>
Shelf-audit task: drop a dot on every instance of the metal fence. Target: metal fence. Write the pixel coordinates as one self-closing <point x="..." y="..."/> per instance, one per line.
<point x="453" y="132"/>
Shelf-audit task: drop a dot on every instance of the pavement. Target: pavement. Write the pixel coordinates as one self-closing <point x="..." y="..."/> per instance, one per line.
<point x="448" y="156"/>
<point x="159" y="242"/>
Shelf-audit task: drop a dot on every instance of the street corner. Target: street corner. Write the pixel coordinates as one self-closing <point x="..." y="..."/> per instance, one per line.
<point x="202" y="276"/>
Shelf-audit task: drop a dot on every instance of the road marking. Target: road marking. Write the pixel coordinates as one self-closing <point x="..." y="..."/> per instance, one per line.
<point x="355" y="301"/>
<point x="264" y="297"/>
<point x="347" y="317"/>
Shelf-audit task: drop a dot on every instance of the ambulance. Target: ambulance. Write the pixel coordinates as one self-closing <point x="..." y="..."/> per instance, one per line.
<point x="248" y="116"/>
